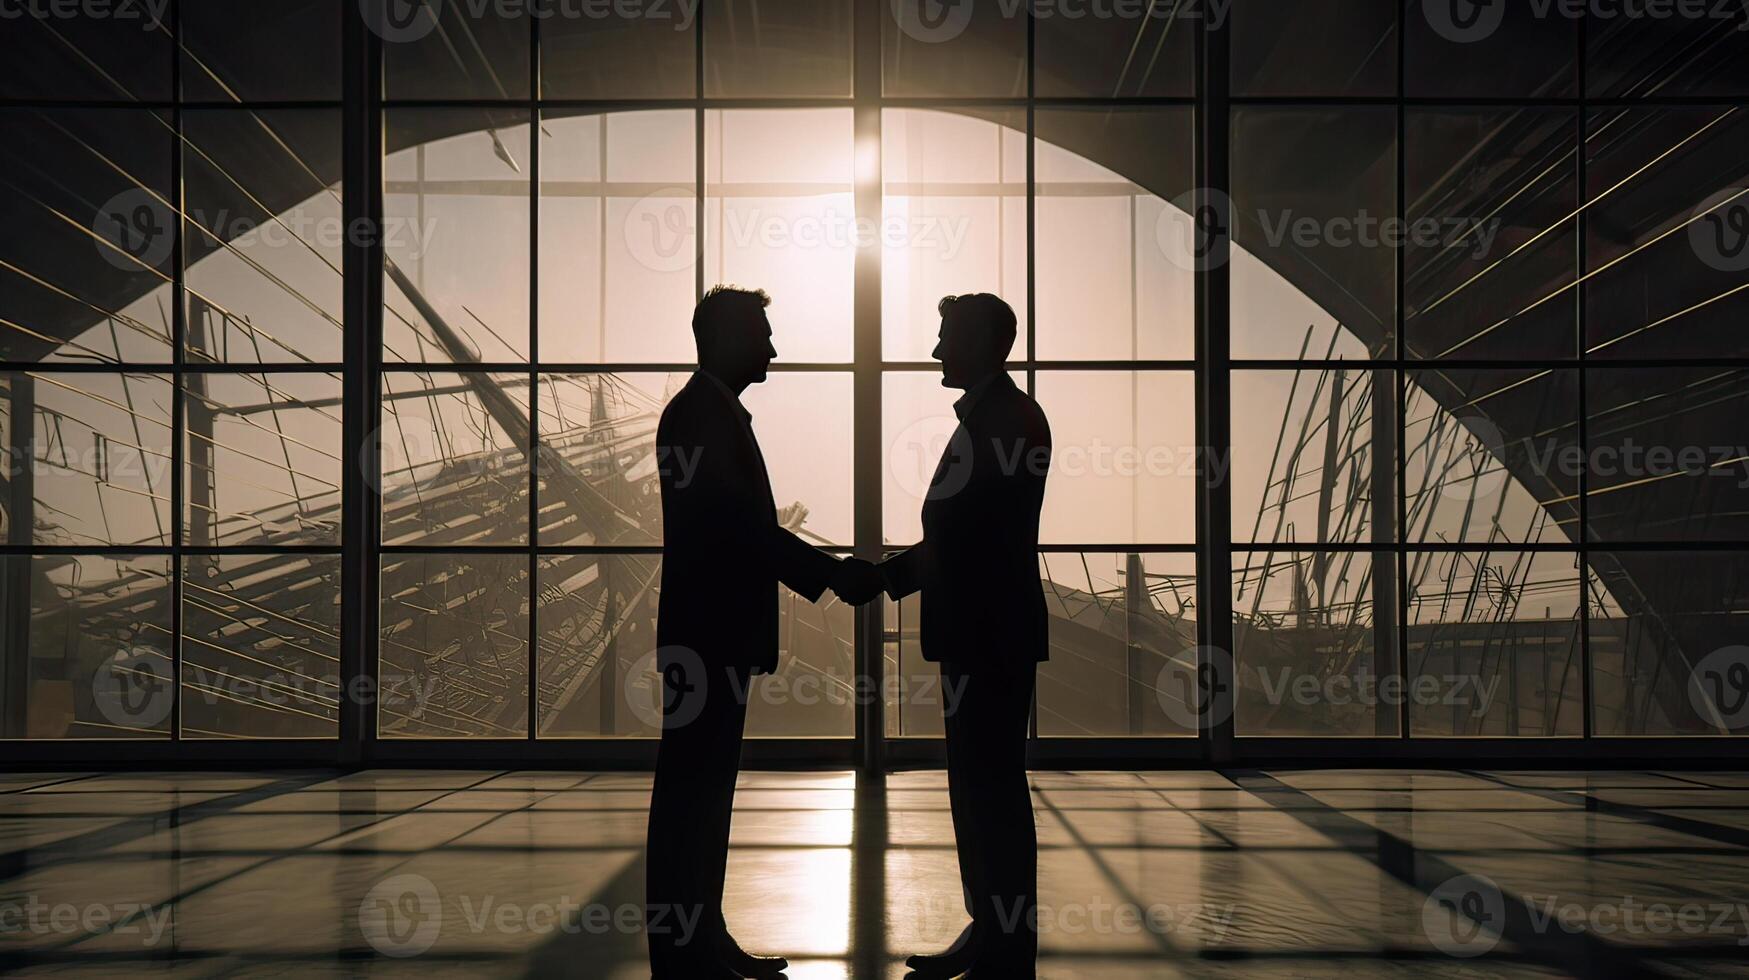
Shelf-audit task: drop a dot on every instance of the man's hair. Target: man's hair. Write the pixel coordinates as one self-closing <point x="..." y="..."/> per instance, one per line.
<point x="987" y="312"/>
<point x="725" y="306"/>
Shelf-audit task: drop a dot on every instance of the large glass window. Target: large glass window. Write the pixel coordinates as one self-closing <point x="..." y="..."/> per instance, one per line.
<point x="1443" y="449"/>
<point x="171" y="349"/>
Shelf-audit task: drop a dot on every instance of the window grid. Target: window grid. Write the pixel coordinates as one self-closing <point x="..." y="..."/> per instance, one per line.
<point x="1216" y="369"/>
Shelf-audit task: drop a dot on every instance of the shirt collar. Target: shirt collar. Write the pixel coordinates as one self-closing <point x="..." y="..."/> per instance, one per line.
<point x="728" y="393"/>
<point x="968" y="401"/>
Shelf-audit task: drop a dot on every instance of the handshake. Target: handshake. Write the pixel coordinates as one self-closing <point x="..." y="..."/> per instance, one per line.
<point x="857" y="581"/>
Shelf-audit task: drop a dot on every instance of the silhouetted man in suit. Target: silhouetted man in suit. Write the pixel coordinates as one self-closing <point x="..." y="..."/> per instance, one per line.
<point x="984" y="621"/>
<point x="723" y="555"/>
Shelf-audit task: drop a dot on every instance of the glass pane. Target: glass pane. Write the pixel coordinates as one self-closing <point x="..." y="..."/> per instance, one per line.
<point x="264" y="459"/>
<point x="1315" y="47"/>
<point x="954" y="219"/>
<point x="1314" y="195"/>
<point x="813" y="694"/>
<point x="455" y="236"/>
<point x="1110" y="286"/>
<point x="1633" y="48"/>
<point x="101" y="457"/>
<point x="1123" y="645"/>
<point x="803" y="423"/>
<point x="1123" y="458"/>
<point x="264" y="235"/>
<point x="598" y="463"/>
<point x="772" y="48"/>
<point x="454" y="647"/>
<point x="97" y="661"/>
<point x="618" y="289"/>
<point x="1490" y="50"/>
<point x="780" y="215"/>
<point x="1667" y="241"/>
<point x="1494" y="644"/>
<point x="915" y="692"/>
<point x="86" y="260"/>
<point x="261" y="646"/>
<point x="69" y="51"/>
<point x="1119" y="50"/>
<point x="1666" y="454"/>
<point x="454" y="459"/>
<point x="1667" y="654"/>
<point x="453" y="50"/>
<point x="1302" y="461"/>
<point x="934" y="49"/>
<point x="1488" y="455"/>
<point x="624" y="51"/>
<point x="280" y="51"/>
<point x="596" y="662"/>
<point x="1306" y="654"/>
<point x="1492" y="240"/>
<point x="917" y="421"/>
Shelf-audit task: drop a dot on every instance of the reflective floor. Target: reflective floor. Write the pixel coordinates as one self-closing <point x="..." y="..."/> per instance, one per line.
<point x="1274" y="874"/>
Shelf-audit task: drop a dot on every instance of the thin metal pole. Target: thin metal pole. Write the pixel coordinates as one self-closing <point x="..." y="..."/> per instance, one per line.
<point x="1213" y="307"/>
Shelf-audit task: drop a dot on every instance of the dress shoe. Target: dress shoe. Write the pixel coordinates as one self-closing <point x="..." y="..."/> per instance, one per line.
<point x="951" y="962"/>
<point x="743" y="963"/>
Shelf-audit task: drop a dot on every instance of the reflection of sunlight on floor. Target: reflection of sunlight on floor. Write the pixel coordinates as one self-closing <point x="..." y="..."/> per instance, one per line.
<point x="794" y="900"/>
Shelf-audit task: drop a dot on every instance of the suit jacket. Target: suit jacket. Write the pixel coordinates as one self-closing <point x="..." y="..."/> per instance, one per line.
<point x="723" y="551"/>
<point x="977" y="565"/>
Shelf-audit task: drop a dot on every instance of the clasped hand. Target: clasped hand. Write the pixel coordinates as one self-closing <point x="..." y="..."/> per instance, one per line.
<point x="857" y="581"/>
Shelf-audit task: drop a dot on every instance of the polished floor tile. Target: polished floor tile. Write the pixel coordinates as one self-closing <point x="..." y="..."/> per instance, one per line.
<point x="1291" y="874"/>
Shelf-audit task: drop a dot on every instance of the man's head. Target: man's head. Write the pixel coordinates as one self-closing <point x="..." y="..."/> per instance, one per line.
<point x="977" y="332"/>
<point x="733" y="335"/>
